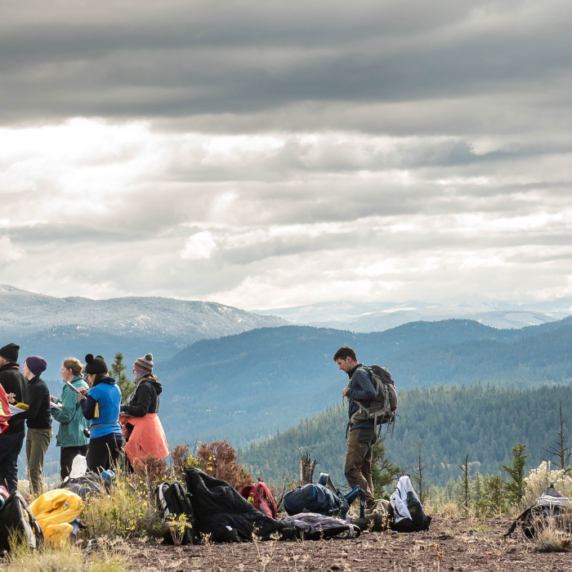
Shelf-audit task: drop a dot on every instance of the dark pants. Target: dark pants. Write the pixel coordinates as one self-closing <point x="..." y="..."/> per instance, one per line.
<point x="10" y="447"/>
<point x="67" y="455"/>
<point x="102" y="455"/>
<point x="358" y="461"/>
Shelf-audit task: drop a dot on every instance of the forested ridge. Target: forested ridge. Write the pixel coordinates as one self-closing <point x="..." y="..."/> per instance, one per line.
<point x="449" y="423"/>
<point x="245" y="387"/>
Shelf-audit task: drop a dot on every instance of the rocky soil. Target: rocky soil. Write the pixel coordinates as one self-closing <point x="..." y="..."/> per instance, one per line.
<point x="450" y="544"/>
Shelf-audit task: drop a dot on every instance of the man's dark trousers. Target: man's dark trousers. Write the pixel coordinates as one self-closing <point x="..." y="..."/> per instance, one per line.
<point x="10" y="447"/>
<point x="359" y="455"/>
<point x="67" y="455"/>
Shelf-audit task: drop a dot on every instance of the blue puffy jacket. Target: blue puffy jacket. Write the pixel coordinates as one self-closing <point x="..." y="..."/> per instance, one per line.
<point x="101" y="407"/>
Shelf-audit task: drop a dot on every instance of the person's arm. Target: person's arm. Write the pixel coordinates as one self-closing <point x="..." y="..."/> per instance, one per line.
<point x="66" y="413"/>
<point x="88" y="405"/>
<point x="35" y="402"/>
<point x="143" y="398"/>
<point x="362" y="388"/>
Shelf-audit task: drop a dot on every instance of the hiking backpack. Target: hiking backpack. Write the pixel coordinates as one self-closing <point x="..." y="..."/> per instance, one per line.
<point x="262" y="498"/>
<point x="16" y="519"/>
<point x="551" y="506"/>
<point x="174" y="501"/>
<point x="382" y="408"/>
<point x="321" y="498"/>
<point x="312" y="526"/>
<point x="408" y="513"/>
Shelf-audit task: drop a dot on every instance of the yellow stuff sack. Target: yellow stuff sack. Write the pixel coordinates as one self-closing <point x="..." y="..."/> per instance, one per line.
<point x="54" y="511"/>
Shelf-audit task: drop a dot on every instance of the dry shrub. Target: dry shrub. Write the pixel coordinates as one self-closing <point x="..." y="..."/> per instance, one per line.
<point x="450" y="510"/>
<point x="68" y="558"/>
<point x="278" y="495"/>
<point x="552" y="536"/>
<point x="180" y="457"/>
<point x="540" y="479"/>
<point x="151" y="469"/>
<point x="128" y="511"/>
<point x="219" y="460"/>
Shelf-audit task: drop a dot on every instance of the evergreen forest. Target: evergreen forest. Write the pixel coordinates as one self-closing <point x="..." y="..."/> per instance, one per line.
<point x="448" y="423"/>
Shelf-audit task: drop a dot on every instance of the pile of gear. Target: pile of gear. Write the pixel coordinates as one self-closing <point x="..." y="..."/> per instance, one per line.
<point x="211" y="507"/>
<point x="53" y="517"/>
<point x="315" y="511"/>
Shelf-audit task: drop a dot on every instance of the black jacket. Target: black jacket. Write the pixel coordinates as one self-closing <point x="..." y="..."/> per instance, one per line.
<point x="145" y="398"/>
<point x="362" y="390"/>
<point x="38" y="414"/>
<point x="13" y="381"/>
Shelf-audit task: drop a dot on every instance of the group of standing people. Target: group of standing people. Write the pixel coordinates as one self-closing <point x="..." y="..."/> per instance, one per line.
<point x="93" y="421"/>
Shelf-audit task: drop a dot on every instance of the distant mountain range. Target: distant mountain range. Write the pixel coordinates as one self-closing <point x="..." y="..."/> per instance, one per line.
<point x="381" y="316"/>
<point x="59" y="327"/>
<point x="248" y="386"/>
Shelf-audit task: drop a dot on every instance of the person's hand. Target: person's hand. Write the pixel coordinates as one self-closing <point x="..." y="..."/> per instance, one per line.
<point x="83" y="391"/>
<point x="11" y="398"/>
<point x="52" y="398"/>
<point x="346" y="389"/>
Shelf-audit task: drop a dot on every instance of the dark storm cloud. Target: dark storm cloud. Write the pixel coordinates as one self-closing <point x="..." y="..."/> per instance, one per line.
<point x="211" y="58"/>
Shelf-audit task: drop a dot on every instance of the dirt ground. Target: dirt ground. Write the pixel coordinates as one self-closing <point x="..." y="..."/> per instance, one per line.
<point x="450" y="544"/>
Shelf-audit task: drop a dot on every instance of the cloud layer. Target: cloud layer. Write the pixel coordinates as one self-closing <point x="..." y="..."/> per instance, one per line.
<point x="265" y="154"/>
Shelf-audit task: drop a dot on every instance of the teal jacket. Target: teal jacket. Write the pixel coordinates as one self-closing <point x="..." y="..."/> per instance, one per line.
<point x="71" y="419"/>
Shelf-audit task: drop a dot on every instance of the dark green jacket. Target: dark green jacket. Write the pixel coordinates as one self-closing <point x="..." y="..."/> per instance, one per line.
<point x="71" y="419"/>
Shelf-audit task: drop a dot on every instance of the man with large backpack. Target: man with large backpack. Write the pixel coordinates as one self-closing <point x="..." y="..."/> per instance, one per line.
<point x="362" y="434"/>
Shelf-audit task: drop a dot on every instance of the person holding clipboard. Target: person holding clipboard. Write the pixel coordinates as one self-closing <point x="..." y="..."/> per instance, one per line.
<point x="71" y="436"/>
<point x="100" y="405"/>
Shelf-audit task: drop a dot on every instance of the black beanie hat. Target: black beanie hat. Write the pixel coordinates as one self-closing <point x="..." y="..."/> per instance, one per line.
<point x="95" y="365"/>
<point x="10" y="352"/>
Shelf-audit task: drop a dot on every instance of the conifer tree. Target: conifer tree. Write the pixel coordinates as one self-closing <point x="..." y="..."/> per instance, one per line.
<point x="516" y="473"/>
<point x="465" y="488"/>
<point x="383" y="472"/>
<point x="418" y="476"/>
<point x="477" y="486"/>
<point x="493" y="501"/>
<point x="126" y="386"/>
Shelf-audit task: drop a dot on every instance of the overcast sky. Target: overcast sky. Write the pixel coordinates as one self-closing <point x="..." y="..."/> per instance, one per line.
<point x="267" y="154"/>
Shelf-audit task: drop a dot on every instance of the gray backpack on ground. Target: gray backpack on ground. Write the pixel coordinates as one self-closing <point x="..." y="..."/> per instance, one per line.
<point x="381" y="410"/>
<point x="313" y="526"/>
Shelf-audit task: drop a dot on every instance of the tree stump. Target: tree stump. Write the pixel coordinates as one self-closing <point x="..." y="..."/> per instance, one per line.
<point x="307" y="467"/>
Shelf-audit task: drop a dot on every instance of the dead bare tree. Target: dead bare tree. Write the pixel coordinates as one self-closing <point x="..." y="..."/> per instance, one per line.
<point x="561" y="452"/>
<point x="307" y="467"/>
<point x="418" y="476"/>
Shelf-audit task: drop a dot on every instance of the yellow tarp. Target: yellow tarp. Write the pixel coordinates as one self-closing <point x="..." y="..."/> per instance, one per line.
<point x="54" y="511"/>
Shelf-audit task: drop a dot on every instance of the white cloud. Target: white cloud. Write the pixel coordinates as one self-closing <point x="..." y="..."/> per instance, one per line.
<point x="9" y="252"/>
<point x="263" y="156"/>
<point x="200" y="246"/>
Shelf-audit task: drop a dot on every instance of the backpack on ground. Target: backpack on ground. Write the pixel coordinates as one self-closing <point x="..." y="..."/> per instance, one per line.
<point x="345" y="501"/>
<point x="375" y="519"/>
<point x="408" y="513"/>
<point x="551" y="506"/>
<point x="88" y="485"/>
<point x="173" y="502"/>
<point x="321" y="498"/>
<point x="312" y="526"/>
<point x="17" y="520"/>
<point x="314" y="498"/>
<point x="382" y="408"/>
<point x="262" y="498"/>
